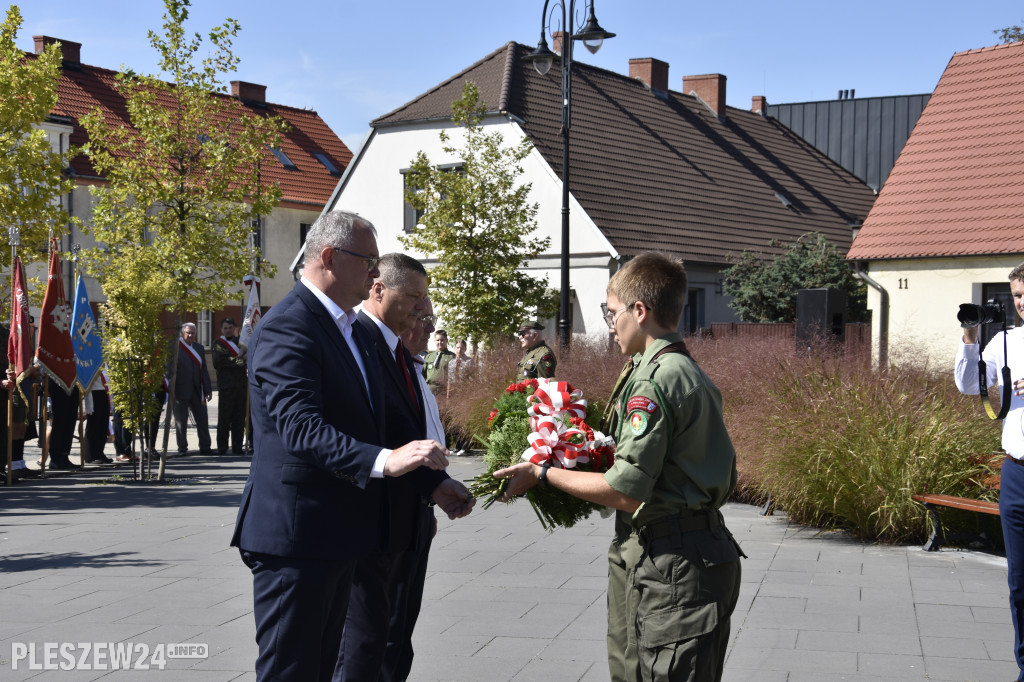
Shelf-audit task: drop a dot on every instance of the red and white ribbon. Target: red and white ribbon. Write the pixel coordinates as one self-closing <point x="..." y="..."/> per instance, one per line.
<point x="550" y="408"/>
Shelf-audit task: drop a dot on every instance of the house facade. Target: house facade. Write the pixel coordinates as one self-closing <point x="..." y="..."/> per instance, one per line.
<point x="947" y="226"/>
<point x="651" y="169"/>
<point x="306" y="166"/>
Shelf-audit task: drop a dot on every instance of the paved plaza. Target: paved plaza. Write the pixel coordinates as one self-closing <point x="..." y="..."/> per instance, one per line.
<point x="85" y="558"/>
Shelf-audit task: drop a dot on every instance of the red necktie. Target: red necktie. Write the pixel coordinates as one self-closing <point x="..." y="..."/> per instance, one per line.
<point x="403" y="369"/>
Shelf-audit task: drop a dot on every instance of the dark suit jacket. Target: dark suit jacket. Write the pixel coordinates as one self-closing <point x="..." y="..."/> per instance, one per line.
<point x="309" y="493"/>
<point x="191" y="380"/>
<point x="405" y="421"/>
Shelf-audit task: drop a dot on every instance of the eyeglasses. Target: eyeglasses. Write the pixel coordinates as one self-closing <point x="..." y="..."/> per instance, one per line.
<point x="427" y="319"/>
<point x="523" y="332"/>
<point x="609" y="316"/>
<point x="371" y="261"/>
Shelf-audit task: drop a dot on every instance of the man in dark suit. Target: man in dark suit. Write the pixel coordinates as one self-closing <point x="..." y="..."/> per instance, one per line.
<point x="314" y="500"/>
<point x="379" y="641"/>
<point x="192" y="390"/>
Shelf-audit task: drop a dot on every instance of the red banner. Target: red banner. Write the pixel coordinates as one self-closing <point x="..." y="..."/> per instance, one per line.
<point x="55" y="353"/>
<point x="19" y="343"/>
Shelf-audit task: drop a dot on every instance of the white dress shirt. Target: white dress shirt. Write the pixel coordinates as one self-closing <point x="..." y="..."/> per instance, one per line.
<point x="966" y="373"/>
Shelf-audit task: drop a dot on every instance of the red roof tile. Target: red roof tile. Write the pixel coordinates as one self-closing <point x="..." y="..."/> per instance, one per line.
<point x="958" y="186"/>
<point x="84" y="88"/>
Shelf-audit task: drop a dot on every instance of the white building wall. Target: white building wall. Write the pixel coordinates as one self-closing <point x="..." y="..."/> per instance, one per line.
<point x="924" y="298"/>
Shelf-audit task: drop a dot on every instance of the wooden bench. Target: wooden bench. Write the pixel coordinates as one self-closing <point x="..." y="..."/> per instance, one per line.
<point x="938" y="537"/>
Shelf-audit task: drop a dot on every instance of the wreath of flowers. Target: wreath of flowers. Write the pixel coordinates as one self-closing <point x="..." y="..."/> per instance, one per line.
<point x="543" y="420"/>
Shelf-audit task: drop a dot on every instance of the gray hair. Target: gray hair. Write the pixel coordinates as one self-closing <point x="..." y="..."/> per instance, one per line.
<point x="333" y="229"/>
<point x="189" y="324"/>
<point x="395" y="269"/>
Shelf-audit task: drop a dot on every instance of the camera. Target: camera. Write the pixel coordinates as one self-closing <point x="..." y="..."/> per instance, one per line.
<point x="972" y="315"/>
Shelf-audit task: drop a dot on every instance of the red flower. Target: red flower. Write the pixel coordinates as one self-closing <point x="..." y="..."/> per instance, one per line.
<point x="490" y="418"/>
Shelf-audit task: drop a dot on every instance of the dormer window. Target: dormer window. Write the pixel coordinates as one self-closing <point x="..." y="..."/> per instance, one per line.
<point x="283" y="158"/>
<point x="327" y="163"/>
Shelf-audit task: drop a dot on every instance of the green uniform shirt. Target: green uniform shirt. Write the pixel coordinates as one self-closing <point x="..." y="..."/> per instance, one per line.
<point x="437" y="376"/>
<point x="538" y="363"/>
<point x="673" y="452"/>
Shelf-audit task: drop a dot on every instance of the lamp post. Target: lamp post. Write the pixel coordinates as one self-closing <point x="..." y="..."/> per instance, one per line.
<point x="592" y="36"/>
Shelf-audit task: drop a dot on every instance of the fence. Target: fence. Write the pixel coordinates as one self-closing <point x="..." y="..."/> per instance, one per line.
<point x="858" y="335"/>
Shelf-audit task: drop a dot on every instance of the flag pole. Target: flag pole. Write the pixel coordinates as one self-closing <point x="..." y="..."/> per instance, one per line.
<point x="14" y="235"/>
<point x="44" y="437"/>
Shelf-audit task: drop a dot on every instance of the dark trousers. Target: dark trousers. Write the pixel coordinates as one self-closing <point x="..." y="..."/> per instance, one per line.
<point x="231" y="419"/>
<point x="64" y="414"/>
<point x="1011" y="515"/>
<point x="299" y="606"/>
<point x="387" y="592"/>
<point x="96" y="426"/>
<point x="197" y="406"/>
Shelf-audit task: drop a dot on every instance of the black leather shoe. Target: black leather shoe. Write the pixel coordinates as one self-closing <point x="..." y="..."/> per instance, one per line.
<point x="26" y="473"/>
<point x="63" y="465"/>
<point x="101" y="461"/>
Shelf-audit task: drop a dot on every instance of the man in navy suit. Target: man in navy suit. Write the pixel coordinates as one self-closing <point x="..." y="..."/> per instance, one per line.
<point x="314" y="502"/>
<point x="192" y="390"/>
<point x="379" y="641"/>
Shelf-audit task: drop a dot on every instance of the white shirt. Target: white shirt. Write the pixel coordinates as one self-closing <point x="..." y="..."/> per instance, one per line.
<point x="345" y="319"/>
<point x="966" y="373"/>
<point x="435" y="429"/>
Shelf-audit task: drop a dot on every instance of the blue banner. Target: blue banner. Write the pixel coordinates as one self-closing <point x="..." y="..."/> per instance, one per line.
<point x="85" y="338"/>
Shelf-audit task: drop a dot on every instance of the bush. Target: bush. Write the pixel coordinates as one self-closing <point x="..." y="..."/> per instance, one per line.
<point x="838" y="444"/>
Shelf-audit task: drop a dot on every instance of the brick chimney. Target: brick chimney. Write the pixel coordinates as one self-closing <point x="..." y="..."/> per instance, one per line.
<point x="759" y="104"/>
<point x="652" y="72"/>
<point x="556" y="42"/>
<point x="710" y="88"/>
<point x="251" y="92"/>
<point x="72" y="52"/>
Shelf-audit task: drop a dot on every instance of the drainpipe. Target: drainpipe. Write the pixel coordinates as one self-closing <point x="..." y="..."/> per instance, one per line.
<point x="860" y="273"/>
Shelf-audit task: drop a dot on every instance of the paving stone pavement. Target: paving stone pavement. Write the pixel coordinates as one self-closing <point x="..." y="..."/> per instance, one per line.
<point x="84" y="558"/>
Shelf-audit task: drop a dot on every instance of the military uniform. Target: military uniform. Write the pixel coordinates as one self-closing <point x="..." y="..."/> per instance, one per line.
<point x="674" y="572"/>
<point x="538" y="362"/>
<point x="435" y="368"/>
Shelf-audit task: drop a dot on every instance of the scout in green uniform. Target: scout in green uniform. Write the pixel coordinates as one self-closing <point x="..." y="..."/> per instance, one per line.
<point x="673" y="567"/>
<point x="538" y="362"/>
<point x="435" y="365"/>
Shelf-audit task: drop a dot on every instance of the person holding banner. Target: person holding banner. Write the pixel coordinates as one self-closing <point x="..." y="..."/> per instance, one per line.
<point x="232" y="381"/>
<point x="192" y="390"/>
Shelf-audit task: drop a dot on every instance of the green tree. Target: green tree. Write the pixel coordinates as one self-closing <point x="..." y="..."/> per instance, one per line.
<point x="172" y="225"/>
<point x="479" y="224"/>
<point x="766" y="291"/>
<point x="31" y="173"/>
<point x="1010" y="34"/>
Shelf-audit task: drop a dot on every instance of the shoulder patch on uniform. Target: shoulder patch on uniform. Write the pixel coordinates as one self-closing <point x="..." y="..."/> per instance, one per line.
<point x="641" y="403"/>
<point x="638" y="422"/>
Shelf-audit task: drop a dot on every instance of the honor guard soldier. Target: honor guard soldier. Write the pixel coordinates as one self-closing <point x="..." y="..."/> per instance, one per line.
<point x="538" y="361"/>
<point x="435" y="365"/>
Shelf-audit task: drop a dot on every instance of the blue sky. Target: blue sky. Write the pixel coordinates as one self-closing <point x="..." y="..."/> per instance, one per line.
<point x="352" y="62"/>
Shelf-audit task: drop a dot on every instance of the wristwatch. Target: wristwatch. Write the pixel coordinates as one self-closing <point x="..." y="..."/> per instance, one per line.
<point x="542" y="479"/>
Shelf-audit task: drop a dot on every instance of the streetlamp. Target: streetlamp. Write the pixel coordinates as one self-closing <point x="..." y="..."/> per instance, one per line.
<point x="592" y="36"/>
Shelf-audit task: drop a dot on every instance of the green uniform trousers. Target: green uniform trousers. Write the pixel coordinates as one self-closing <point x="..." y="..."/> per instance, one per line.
<point x="670" y="601"/>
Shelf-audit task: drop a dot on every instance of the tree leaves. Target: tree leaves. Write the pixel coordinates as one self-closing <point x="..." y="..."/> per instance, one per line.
<point x="479" y="223"/>
<point x="32" y="176"/>
<point x="765" y="291"/>
<point x="173" y="224"/>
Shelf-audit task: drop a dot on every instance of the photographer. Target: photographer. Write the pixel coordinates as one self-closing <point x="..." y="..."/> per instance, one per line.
<point x="1011" y="492"/>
